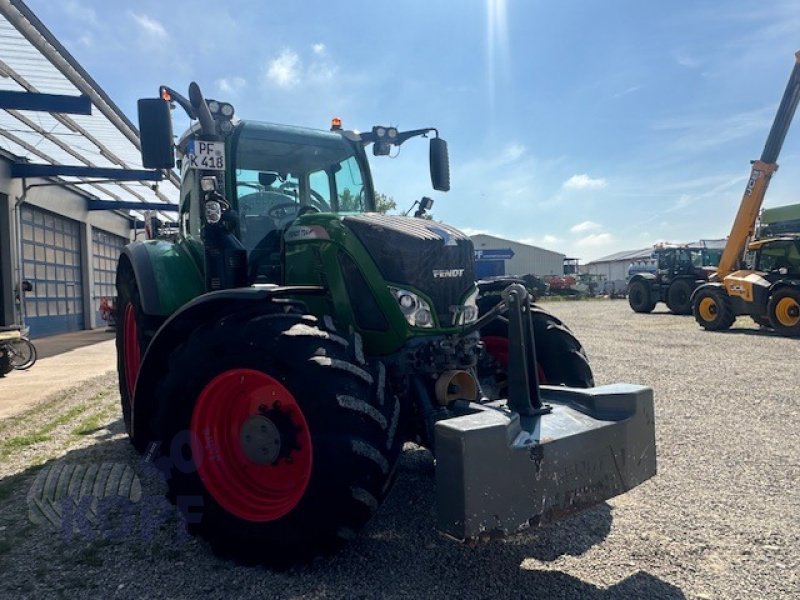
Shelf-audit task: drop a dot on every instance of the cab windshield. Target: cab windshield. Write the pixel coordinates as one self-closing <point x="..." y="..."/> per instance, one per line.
<point x="283" y="173"/>
<point x="779" y="255"/>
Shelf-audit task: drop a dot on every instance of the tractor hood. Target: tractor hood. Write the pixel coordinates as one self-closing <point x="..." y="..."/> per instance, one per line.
<point x="436" y="259"/>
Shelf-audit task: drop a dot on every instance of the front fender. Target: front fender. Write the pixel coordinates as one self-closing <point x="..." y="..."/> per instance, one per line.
<point x="648" y="277"/>
<point x="784" y="283"/>
<point x="166" y="275"/>
<point x="206" y="308"/>
<point x="706" y="286"/>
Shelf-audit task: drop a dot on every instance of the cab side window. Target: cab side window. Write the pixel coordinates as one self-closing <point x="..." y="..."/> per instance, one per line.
<point x="775" y="256"/>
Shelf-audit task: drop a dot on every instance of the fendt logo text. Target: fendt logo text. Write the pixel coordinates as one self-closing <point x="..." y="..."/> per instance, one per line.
<point x="446" y="273"/>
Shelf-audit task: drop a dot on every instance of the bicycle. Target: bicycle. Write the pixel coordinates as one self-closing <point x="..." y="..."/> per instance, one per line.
<point x="16" y="349"/>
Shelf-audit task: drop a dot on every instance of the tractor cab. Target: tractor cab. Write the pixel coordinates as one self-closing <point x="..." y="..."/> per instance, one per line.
<point x="776" y="258"/>
<point x="274" y="174"/>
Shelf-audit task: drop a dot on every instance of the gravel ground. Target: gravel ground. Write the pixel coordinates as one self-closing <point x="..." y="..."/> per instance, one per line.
<point x="720" y="520"/>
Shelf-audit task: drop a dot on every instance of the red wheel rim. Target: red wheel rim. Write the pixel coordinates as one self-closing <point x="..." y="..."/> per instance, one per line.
<point x="130" y="350"/>
<point x="497" y="347"/>
<point x="248" y="489"/>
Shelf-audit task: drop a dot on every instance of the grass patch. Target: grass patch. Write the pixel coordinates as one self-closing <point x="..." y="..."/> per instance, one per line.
<point x="43" y="433"/>
<point x="51" y="405"/>
<point x="96" y="422"/>
<point x="23" y="441"/>
<point x="91" y="425"/>
<point x="10" y="446"/>
<point x="65" y="418"/>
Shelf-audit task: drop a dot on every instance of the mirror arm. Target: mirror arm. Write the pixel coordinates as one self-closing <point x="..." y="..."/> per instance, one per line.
<point x="369" y="137"/>
<point x="406" y="135"/>
<point x="175" y="97"/>
<point x="207" y="124"/>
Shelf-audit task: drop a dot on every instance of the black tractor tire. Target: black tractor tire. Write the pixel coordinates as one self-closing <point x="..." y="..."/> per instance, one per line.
<point x="132" y="325"/>
<point x="712" y="309"/>
<point x="639" y="297"/>
<point x="783" y="310"/>
<point x="348" y="425"/>
<point x="679" y="297"/>
<point x="561" y="357"/>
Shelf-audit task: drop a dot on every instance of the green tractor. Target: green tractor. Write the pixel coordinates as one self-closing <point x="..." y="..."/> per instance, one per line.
<point x="275" y="356"/>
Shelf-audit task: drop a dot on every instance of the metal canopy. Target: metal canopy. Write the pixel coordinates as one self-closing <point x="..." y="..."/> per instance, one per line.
<point x="76" y="105"/>
<point x="33" y="61"/>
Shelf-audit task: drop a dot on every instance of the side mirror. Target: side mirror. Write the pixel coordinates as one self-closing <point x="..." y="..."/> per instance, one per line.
<point x="440" y="165"/>
<point x="155" y="133"/>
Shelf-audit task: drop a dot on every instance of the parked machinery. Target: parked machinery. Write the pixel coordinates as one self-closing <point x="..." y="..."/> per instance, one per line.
<point x="678" y="270"/>
<point x="276" y="355"/>
<point x="762" y="278"/>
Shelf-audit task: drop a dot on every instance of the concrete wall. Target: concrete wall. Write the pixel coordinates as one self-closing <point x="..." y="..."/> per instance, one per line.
<point x="62" y="201"/>
<point x="527" y="259"/>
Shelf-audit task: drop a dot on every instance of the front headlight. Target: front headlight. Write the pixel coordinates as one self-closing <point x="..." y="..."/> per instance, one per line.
<point x="468" y="312"/>
<point x="416" y="310"/>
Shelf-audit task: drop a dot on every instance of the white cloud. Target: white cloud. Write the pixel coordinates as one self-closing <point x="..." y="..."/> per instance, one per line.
<point x="512" y="152"/>
<point x="472" y="231"/>
<point x="81" y="13"/>
<point x="551" y="239"/>
<point x="696" y="134"/>
<point x="687" y="61"/>
<point x="625" y="92"/>
<point x="151" y="28"/>
<point x="285" y="70"/>
<point x="544" y="241"/>
<point x="594" y="240"/>
<point x="584" y="182"/>
<point x="230" y="85"/>
<point x="322" y="71"/>
<point x="585" y="226"/>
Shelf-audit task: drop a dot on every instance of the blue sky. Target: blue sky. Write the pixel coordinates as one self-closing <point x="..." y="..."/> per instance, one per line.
<point x="584" y="127"/>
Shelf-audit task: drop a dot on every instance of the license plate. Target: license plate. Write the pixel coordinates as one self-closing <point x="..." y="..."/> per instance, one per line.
<point x="206" y="155"/>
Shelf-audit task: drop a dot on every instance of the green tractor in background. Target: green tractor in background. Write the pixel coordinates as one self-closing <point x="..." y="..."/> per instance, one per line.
<point x="280" y="351"/>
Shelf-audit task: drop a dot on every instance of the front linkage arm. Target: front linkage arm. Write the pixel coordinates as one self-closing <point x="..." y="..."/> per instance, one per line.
<point x="523" y="381"/>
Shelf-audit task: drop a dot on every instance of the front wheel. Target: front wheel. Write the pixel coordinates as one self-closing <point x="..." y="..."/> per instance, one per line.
<point x="291" y="435"/>
<point x="784" y="311"/>
<point x="561" y="358"/>
<point x="639" y="297"/>
<point x="679" y="297"/>
<point x="21" y="354"/>
<point x="712" y="309"/>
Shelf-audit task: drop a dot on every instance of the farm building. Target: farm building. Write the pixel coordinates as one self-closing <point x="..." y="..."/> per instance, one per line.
<point x="498" y="256"/>
<point x="68" y="157"/>
<point x="614" y="267"/>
